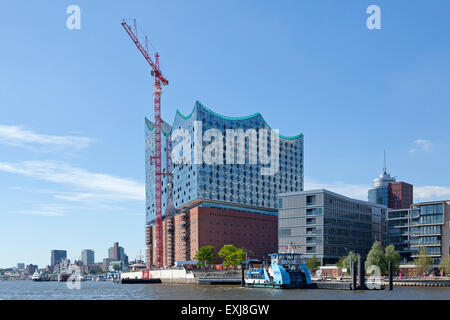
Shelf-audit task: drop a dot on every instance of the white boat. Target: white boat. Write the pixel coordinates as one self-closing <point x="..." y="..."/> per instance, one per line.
<point x="36" y="276"/>
<point x="39" y="277"/>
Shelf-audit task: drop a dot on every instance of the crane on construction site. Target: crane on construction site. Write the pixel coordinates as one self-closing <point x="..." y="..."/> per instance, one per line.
<point x="155" y="159"/>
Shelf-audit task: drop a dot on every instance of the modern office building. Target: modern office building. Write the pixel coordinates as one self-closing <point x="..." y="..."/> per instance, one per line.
<point x="392" y="194"/>
<point x="328" y="225"/>
<point x="380" y="192"/>
<point x="430" y="228"/>
<point x="398" y="232"/>
<point x="57" y="256"/>
<point x="21" y="266"/>
<point x="227" y="173"/>
<point x="426" y="225"/>
<point x="88" y="257"/>
<point x="400" y="195"/>
<point x="115" y="251"/>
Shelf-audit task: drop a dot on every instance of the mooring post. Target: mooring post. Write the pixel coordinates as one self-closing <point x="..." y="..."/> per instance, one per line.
<point x="242" y="276"/>
<point x="391" y="276"/>
<point x="354" y="273"/>
<point x="362" y="274"/>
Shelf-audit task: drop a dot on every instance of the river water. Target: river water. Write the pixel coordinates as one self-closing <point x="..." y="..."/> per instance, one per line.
<point x="27" y="289"/>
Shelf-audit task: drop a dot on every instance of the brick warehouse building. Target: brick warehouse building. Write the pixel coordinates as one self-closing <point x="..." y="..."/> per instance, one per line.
<point x="192" y="229"/>
<point x="223" y="203"/>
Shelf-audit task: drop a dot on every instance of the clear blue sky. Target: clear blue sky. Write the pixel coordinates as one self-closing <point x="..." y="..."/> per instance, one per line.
<point x="72" y="103"/>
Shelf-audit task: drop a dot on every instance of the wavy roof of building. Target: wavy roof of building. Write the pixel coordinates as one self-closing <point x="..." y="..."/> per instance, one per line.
<point x="167" y="130"/>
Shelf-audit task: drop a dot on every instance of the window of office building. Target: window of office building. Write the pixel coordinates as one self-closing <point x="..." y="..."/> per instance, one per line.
<point x="310" y="249"/>
<point x="310" y="200"/>
<point x="310" y="240"/>
<point x="313" y="212"/>
<point x="285" y="232"/>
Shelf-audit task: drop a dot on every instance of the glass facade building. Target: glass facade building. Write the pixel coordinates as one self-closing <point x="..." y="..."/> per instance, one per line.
<point x="57" y="256"/>
<point x="88" y="257"/>
<point x="226" y="183"/>
<point x="423" y="225"/>
<point x="380" y="192"/>
<point x="392" y="194"/>
<point x="379" y="195"/>
<point x="398" y="232"/>
<point x="430" y="229"/>
<point x="327" y="225"/>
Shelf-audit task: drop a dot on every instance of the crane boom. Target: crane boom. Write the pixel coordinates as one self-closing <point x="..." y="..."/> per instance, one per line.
<point x="156" y="158"/>
<point x="155" y="68"/>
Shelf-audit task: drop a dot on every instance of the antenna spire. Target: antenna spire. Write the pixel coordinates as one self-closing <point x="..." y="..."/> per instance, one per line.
<point x="385" y="169"/>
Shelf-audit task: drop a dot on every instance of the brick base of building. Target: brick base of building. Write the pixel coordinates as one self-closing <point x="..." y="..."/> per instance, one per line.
<point x="192" y="229"/>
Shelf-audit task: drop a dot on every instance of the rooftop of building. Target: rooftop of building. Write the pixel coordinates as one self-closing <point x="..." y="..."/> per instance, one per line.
<point x="337" y="195"/>
<point x="393" y="210"/>
<point x="430" y="202"/>
<point x="167" y="129"/>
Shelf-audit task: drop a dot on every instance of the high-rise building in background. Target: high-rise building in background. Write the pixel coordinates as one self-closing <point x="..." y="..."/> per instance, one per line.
<point x="400" y="195"/>
<point x="328" y="225"/>
<point x="30" y="269"/>
<point x="388" y="192"/>
<point x="116" y="250"/>
<point x="219" y="202"/>
<point x="21" y="266"/>
<point x="117" y="253"/>
<point x="88" y="257"/>
<point x="380" y="192"/>
<point x="57" y="256"/>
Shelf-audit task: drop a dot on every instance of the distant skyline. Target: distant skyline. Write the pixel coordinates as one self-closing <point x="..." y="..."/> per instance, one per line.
<point x="73" y="102"/>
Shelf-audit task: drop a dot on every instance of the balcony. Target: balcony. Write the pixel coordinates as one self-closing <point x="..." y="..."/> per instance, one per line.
<point x="310" y="200"/>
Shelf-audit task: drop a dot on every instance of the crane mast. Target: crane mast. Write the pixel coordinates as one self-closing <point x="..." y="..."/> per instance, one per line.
<point x="155" y="159"/>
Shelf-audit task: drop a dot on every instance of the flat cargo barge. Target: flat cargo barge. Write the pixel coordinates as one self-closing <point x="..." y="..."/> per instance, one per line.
<point x="137" y="281"/>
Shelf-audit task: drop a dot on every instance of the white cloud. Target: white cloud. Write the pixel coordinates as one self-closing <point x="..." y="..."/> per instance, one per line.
<point x="18" y="136"/>
<point x="422" y="145"/>
<point x="428" y="193"/>
<point x="40" y="213"/>
<point x="43" y="209"/>
<point x="87" y="185"/>
<point x="356" y="191"/>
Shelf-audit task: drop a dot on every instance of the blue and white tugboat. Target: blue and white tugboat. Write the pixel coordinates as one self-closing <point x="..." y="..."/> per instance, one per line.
<point x="286" y="270"/>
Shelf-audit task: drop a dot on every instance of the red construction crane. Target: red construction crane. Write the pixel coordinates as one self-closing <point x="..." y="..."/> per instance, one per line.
<point x="156" y="158"/>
